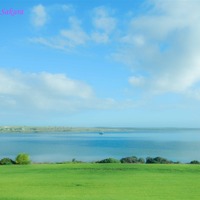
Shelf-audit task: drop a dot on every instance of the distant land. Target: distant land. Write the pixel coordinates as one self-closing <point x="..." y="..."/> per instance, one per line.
<point x="40" y="129"/>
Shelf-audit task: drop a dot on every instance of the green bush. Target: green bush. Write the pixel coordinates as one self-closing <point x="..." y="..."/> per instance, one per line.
<point x="23" y="159"/>
<point x="132" y="159"/>
<point x="141" y="160"/>
<point x="7" y="161"/>
<point x="157" y="160"/>
<point x="109" y="160"/>
<point x="150" y="160"/>
<point x="195" y="162"/>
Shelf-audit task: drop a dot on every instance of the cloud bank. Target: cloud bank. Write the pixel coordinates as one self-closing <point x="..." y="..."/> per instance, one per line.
<point x="28" y="93"/>
<point x="162" y="47"/>
<point x="45" y="91"/>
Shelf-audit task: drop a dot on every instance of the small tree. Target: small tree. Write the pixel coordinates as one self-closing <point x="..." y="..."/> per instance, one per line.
<point x="23" y="159"/>
<point x="109" y="160"/>
<point x="132" y="159"/>
<point x="7" y="161"/>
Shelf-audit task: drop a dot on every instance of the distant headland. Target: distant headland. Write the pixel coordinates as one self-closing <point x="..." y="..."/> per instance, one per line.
<point x="40" y="129"/>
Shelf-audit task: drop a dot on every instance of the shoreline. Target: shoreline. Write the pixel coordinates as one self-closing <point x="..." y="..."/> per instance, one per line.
<point x="42" y="129"/>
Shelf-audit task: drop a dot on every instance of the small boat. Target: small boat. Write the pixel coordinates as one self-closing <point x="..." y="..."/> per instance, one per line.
<point x="101" y="133"/>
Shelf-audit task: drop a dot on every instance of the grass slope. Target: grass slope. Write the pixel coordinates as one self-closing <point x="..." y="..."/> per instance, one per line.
<point x="99" y="182"/>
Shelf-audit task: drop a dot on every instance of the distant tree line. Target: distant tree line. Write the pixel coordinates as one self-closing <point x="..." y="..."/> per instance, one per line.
<point x="149" y="160"/>
<point x="24" y="159"/>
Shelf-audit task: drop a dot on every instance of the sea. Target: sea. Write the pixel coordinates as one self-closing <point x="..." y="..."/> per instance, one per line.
<point x="178" y="145"/>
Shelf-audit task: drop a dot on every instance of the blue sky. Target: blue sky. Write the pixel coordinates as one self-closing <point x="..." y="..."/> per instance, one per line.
<point x="100" y="63"/>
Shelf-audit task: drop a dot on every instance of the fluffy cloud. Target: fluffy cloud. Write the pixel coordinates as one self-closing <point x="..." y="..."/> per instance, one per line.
<point x="104" y="25"/>
<point x="39" y="16"/>
<point x="44" y="91"/>
<point x="164" y="46"/>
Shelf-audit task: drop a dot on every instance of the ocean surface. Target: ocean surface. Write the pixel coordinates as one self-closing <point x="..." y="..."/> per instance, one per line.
<point x="174" y="144"/>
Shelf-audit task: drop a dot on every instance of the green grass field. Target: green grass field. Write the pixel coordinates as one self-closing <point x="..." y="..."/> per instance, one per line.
<point x="99" y="182"/>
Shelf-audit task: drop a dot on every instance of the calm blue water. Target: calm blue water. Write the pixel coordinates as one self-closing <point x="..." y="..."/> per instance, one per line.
<point x="177" y="145"/>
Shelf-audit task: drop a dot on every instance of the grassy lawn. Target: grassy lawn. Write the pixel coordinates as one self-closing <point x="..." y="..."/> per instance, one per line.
<point x="99" y="182"/>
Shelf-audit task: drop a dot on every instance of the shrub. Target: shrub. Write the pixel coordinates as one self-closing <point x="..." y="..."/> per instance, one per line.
<point x="195" y="162"/>
<point x="7" y="161"/>
<point x="161" y="160"/>
<point x="141" y="160"/>
<point x="23" y="159"/>
<point x="158" y="160"/>
<point x="132" y="159"/>
<point x="76" y="161"/>
<point x="150" y="160"/>
<point x="109" y="160"/>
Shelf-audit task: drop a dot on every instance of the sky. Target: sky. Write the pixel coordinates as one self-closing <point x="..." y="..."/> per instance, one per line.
<point x="91" y="63"/>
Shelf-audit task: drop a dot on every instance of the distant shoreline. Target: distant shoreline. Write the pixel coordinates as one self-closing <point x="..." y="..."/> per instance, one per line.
<point x="42" y="129"/>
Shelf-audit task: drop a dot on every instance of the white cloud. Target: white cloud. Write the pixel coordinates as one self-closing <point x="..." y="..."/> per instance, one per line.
<point x="64" y="86"/>
<point x="43" y="91"/>
<point x="52" y="42"/>
<point x="100" y="37"/>
<point x="103" y="21"/>
<point x="137" y="40"/>
<point x="25" y="92"/>
<point x="67" y="39"/>
<point x="136" y="80"/>
<point x="75" y="35"/>
<point x="164" y="44"/>
<point x="67" y="7"/>
<point x="10" y="86"/>
<point x="104" y="25"/>
<point x="39" y="16"/>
